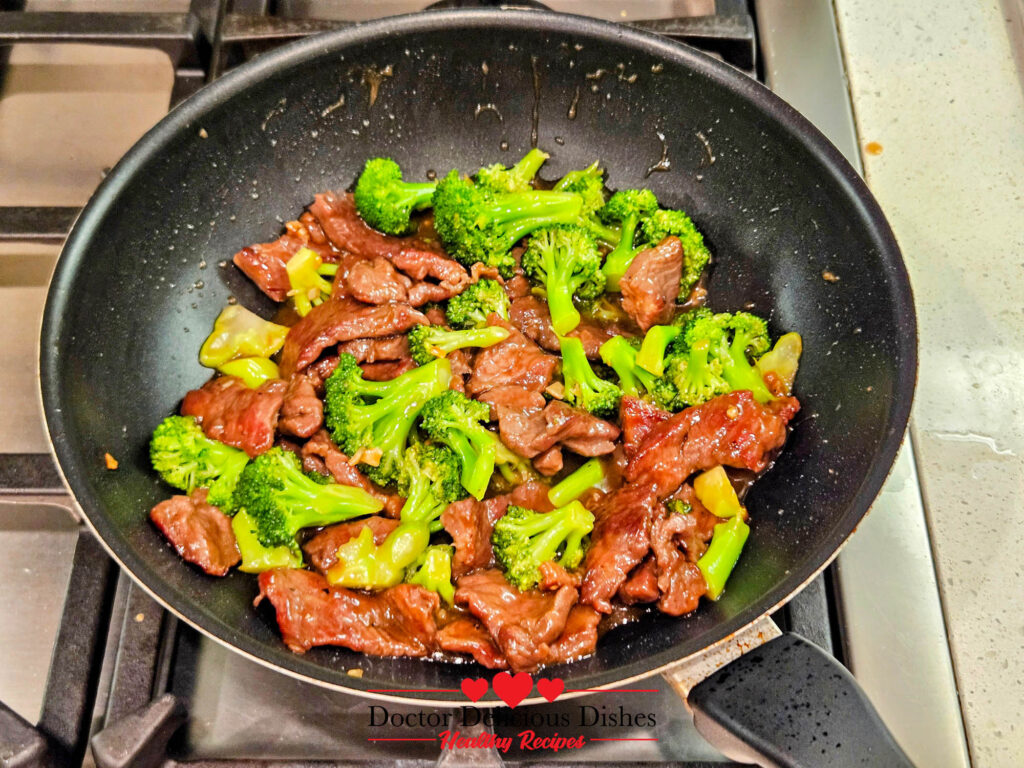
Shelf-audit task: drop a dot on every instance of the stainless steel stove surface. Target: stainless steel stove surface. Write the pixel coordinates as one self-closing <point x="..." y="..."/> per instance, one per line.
<point x="109" y="661"/>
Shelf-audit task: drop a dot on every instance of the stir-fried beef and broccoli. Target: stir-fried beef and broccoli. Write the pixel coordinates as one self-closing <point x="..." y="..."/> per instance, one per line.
<point x="491" y="413"/>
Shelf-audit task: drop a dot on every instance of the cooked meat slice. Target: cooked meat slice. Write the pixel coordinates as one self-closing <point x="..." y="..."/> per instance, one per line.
<point x="516" y="359"/>
<point x="530" y="432"/>
<point x="422" y="265"/>
<point x="320" y="370"/>
<point x="381" y="349"/>
<point x="322" y="549"/>
<point x="620" y="540"/>
<point x="679" y="580"/>
<point x="470" y="523"/>
<point x="532" y="495"/>
<point x="336" y="214"/>
<point x="342" y="320"/>
<point x="467" y="636"/>
<point x="302" y="412"/>
<point x="550" y="462"/>
<point x="642" y="584"/>
<point x="235" y="414"/>
<point x="524" y="624"/>
<point x="518" y="286"/>
<point x="578" y="639"/>
<point x="461" y="361"/>
<point x="695" y="539"/>
<point x="530" y="315"/>
<point x="513" y="397"/>
<point x="554" y="577"/>
<point x="638" y="418"/>
<point x="386" y="370"/>
<point x="732" y="429"/>
<point x="264" y="263"/>
<point x="374" y="281"/>
<point x="199" y="532"/>
<point x="320" y="448"/>
<point x="396" y="622"/>
<point x="651" y="284"/>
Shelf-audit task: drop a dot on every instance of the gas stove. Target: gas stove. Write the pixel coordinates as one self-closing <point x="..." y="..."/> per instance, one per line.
<point x="93" y="672"/>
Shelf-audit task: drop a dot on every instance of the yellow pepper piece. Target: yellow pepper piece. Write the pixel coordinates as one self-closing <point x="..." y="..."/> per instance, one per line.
<point x="308" y="286"/>
<point x="252" y="370"/>
<point x="783" y="360"/>
<point x="237" y="332"/>
<point x="716" y="493"/>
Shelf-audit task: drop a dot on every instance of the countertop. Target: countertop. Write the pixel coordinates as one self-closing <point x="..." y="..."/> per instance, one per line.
<point x="938" y="101"/>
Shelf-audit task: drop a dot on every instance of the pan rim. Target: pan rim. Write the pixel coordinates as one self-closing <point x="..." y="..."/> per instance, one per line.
<point x="184" y="117"/>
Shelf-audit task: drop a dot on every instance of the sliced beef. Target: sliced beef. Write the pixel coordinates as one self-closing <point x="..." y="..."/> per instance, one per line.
<point x="386" y="370"/>
<point x="554" y="577"/>
<point x="264" y="263"/>
<point x="437" y="277"/>
<point x="620" y="540"/>
<point x="695" y="538"/>
<point x="733" y="429"/>
<point x="373" y="281"/>
<point x="516" y="359"/>
<point x="651" y="284"/>
<point x="530" y="431"/>
<point x="523" y="624"/>
<point x="235" y="414"/>
<point x="322" y="549"/>
<point x="461" y="362"/>
<point x="320" y="453"/>
<point x="199" y="532"/>
<point x="468" y="636"/>
<point x="513" y="397"/>
<point x="396" y="622"/>
<point x="532" y="495"/>
<point x="470" y="523"/>
<point x="336" y="214"/>
<point x="642" y="584"/>
<point x="550" y="462"/>
<point x="518" y="286"/>
<point x="679" y="579"/>
<point x="638" y="418"/>
<point x="530" y="315"/>
<point x="376" y="350"/>
<point x="342" y="320"/>
<point x="320" y="370"/>
<point x="302" y="412"/>
<point x="578" y="639"/>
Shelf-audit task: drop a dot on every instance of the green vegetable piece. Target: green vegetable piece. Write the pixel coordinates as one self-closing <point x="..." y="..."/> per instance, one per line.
<point x="433" y="570"/>
<point x="456" y="421"/>
<point x="679" y="507"/>
<point x="362" y="564"/>
<point x="584" y="388"/>
<point x="626" y="207"/>
<point x="471" y="308"/>
<point x="308" y="286"/>
<point x="588" y="183"/>
<point x="730" y="338"/>
<point x="722" y="553"/>
<point x="523" y="539"/>
<point x="385" y="201"/>
<point x="253" y="371"/>
<point x="429" y="481"/>
<point x="282" y="500"/>
<point x="564" y="260"/>
<point x="429" y="342"/>
<point x="237" y="332"/>
<point x="497" y="178"/>
<point x="651" y="356"/>
<point x="187" y="459"/>
<point x="257" y="558"/>
<point x="575" y="485"/>
<point x="621" y="356"/>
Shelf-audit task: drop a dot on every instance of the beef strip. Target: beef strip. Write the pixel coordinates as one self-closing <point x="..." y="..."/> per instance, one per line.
<point x="651" y="284"/>
<point x="336" y="214"/>
<point x="386" y="370"/>
<point x="321" y="452"/>
<point x="468" y="636"/>
<point x="372" y="281"/>
<point x="550" y="462"/>
<point x="695" y="539"/>
<point x="437" y="277"/>
<point x="381" y="349"/>
<point x="532" y="495"/>
<point x="518" y="286"/>
<point x="235" y="414"/>
<point x="265" y="263"/>
<point x="470" y="523"/>
<point x="396" y="622"/>
<point x="642" y="584"/>
<point x="342" y="320"/>
<point x="516" y="359"/>
<point x="578" y="639"/>
<point x="322" y="550"/>
<point x="530" y="315"/>
<point x="620" y="540"/>
<point x="513" y="397"/>
<point x="638" y="418"/>
<point x="530" y="431"/>
<point x="679" y="579"/>
<point x="554" y="577"/>
<point x="199" y="532"/>
<point x="732" y="429"/>
<point x="302" y="412"/>
<point x="523" y="624"/>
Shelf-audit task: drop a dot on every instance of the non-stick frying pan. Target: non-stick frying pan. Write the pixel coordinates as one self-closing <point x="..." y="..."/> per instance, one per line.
<point x="795" y="233"/>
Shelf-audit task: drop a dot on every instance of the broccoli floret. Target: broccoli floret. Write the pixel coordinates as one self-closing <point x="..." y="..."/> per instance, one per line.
<point x="565" y="260"/>
<point x="456" y="421"/>
<point x="523" y="539"/>
<point x="695" y="375"/>
<point x="589" y="184"/>
<point x="371" y="420"/>
<point x="476" y="225"/>
<point x="470" y="308"/>
<point x="257" y="558"/>
<point x="429" y="481"/>
<point x="497" y="178"/>
<point x="433" y="570"/>
<point x="620" y="355"/>
<point x="664" y="223"/>
<point x="362" y="564"/>
<point x="187" y="459"/>
<point x="627" y="207"/>
<point x="385" y="201"/>
<point x="306" y="276"/>
<point x="730" y="337"/>
<point x="281" y="500"/>
<point x="584" y="388"/>
<point x="429" y="342"/>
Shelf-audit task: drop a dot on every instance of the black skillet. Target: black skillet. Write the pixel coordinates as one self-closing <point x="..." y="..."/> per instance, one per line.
<point x="144" y="273"/>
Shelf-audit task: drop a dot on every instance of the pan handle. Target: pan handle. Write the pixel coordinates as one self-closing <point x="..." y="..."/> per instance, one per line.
<point x="789" y="704"/>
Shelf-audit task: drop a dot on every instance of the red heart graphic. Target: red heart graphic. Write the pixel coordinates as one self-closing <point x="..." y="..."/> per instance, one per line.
<point x="474" y="689"/>
<point x="550" y="689"/>
<point x="512" y="689"/>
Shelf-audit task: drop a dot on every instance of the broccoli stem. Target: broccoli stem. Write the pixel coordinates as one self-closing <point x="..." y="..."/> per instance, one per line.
<point x="618" y="260"/>
<point x="477" y="451"/>
<point x="651" y="356"/>
<point x="740" y="374"/>
<point x="720" y="558"/>
<point x="257" y="558"/>
<point x="530" y="164"/>
<point x="573" y="486"/>
<point x="564" y="315"/>
<point x="619" y="355"/>
<point x="448" y="341"/>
